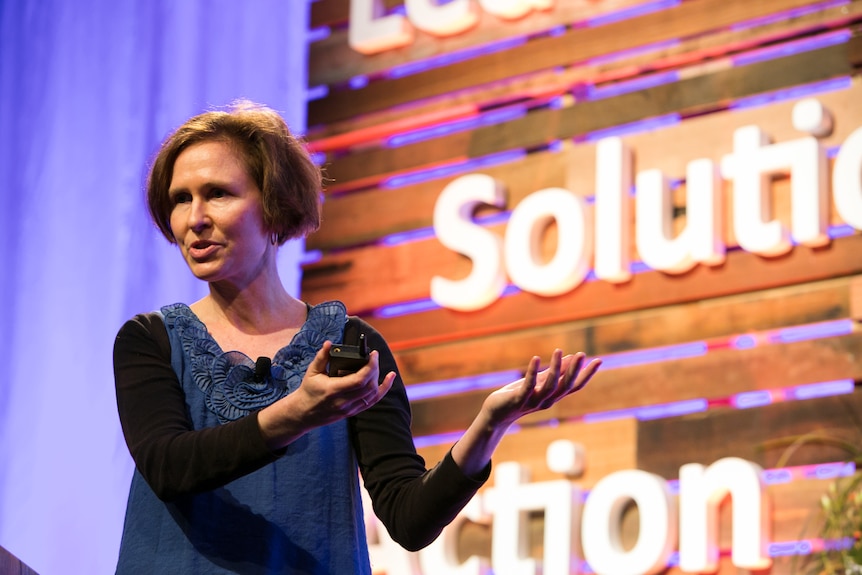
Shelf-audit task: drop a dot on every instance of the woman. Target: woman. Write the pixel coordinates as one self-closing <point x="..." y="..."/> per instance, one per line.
<point x="250" y="465"/>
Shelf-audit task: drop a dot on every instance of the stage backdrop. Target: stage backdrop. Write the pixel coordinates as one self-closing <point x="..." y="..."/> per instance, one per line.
<point x="727" y="298"/>
<point x="87" y="91"/>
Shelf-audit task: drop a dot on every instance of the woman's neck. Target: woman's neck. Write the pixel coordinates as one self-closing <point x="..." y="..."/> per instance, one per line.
<point x="262" y="307"/>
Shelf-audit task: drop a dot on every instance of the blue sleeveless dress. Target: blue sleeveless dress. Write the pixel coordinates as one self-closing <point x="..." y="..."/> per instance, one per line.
<point x="301" y="514"/>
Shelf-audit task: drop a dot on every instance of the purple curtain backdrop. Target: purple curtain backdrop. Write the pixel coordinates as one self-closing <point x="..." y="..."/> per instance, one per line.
<point x="87" y="91"/>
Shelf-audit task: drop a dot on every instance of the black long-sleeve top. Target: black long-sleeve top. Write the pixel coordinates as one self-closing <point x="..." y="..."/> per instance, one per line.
<point x="413" y="503"/>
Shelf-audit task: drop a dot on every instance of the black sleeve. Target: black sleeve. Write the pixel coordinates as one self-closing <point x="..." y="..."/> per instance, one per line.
<point x="174" y="458"/>
<point x="413" y="503"/>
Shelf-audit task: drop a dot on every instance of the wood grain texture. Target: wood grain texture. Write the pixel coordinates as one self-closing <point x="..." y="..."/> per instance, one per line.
<point x="356" y="218"/>
<point x="740" y="273"/>
<point x="706" y="320"/>
<point x="717" y="374"/>
<point x="333" y="61"/>
<point x="540" y="127"/>
<point x="688" y="55"/>
<point x="609" y="446"/>
<point x="762" y="435"/>
<point x="577" y="45"/>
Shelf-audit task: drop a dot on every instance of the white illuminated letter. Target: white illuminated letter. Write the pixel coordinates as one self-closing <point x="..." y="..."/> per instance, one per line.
<point x="442" y="20"/>
<point x="454" y="227"/>
<point x="750" y="167"/>
<point x="370" y="31"/>
<point x="847" y="180"/>
<point x="570" y="263"/>
<point x="601" y="524"/>
<point x="705" y="212"/>
<point x="751" y="205"/>
<point x="700" y="241"/>
<point x="442" y="555"/>
<point x="701" y="491"/>
<point x="613" y="211"/>
<point x="514" y="9"/>
<point x="510" y="501"/>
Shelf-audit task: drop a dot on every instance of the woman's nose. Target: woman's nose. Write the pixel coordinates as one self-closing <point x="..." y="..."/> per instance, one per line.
<point x="198" y="215"/>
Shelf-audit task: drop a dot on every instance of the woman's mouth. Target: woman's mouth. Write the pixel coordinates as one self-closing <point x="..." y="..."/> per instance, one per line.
<point x="202" y="250"/>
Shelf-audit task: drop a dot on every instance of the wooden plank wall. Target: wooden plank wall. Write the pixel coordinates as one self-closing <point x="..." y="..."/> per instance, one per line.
<point x="531" y="114"/>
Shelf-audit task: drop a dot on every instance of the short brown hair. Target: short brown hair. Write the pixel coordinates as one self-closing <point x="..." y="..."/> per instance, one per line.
<point x="277" y="161"/>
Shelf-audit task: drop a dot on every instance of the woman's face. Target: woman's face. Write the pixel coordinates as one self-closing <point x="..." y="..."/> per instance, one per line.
<point x="217" y="218"/>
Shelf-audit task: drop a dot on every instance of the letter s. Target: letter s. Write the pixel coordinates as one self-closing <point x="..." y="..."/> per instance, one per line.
<point x="454" y="227"/>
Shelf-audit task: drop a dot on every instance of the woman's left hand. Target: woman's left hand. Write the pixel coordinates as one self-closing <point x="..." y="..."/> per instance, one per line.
<point x="539" y="390"/>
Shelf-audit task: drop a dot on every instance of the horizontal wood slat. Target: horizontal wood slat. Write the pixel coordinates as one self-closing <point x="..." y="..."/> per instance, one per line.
<point x="706" y="50"/>
<point x="543" y="126"/>
<point x="654" y="328"/>
<point x="686" y="19"/>
<point x="741" y="272"/>
<point x="333" y="61"/>
<point x="717" y="374"/>
<point x="350" y="219"/>
<point x="609" y="446"/>
<point x="753" y="434"/>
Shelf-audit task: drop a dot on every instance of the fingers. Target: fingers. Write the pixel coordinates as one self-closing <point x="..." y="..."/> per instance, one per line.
<point x="363" y="388"/>
<point x="321" y="358"/>
<point x="562" y="377"/>
<point x="586" y="374"/>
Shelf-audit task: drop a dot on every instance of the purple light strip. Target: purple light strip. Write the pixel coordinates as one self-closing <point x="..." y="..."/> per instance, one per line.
<point x="748" y="399"/>
<point x="319" y="158"/>
<point x="674" y="409"/>
<point x="421" y="305"/>
<point x="841" y="231"/>
<point x="426" y="233"/>
<point x="814" y="331"/>
<point x="453" y="57"/>
<point x="358" y="82"/>
<point x="490" y="118"/>
<point x="744" y="341"/>
<point x="834" y="84"/>
<point x="638" y="127"/>
<point x="461" y="384"/>
<point x="775" y="549"/>
<point x="310" y="257"/>
<point x="406" y="308"/>
<point x="798" y="333"/>
<point x="630" y="52"/>
<point x="654" y="355"/>
<point x="650" y="412"/>
<point x="829" y="470"/>
<point x="454" y="168"/>
<point x="318" y="34"/>
<point x="316" y="93"/>
<point x="822" y="389"/>
<point x="788" y="15"/>
<point x="628" y="13"/>
<point x="794" y="47"/>
<point x="634" y="85"/>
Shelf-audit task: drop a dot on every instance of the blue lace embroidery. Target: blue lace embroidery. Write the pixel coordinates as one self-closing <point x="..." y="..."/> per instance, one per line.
<point x="227" y="378"/>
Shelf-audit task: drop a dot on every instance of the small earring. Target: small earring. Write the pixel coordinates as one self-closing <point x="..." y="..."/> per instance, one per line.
<point x="273" y="238"/>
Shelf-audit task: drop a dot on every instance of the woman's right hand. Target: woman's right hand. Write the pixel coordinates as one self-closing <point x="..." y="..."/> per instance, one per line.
<point x="321" y="399"/>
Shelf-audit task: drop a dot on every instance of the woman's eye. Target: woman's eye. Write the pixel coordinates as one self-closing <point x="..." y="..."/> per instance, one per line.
<point x="218" y="193"/>
<point x="182" y="198"/>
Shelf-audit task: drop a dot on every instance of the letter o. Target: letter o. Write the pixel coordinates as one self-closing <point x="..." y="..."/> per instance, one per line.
<point x="600" y="524"/>
<point x="570" y="263"/>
